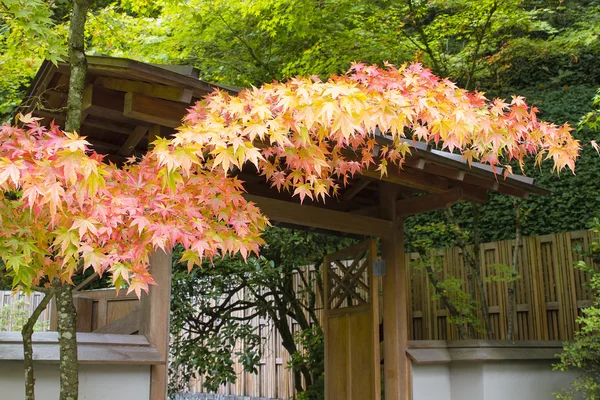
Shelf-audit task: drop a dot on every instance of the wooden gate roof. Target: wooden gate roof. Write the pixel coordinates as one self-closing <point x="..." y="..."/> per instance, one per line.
<point x="127" y="103"/>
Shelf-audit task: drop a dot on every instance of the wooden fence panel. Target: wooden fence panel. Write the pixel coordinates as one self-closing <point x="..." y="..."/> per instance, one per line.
<point x="550" y="292"/>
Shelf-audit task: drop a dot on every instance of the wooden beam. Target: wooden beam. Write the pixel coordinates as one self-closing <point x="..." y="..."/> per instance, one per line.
<point x="297" y="214"/>
<point x="154" y="320"/>
<point x="148" y="89"/>
<point x="414" y="179"/>
<point x="107" y="104"/>
<point x="429" y="202"/>
<point x="513" y="191"/>
<point x="153" y="110"/>
<point x="132" y="140"/>
<point x="355" y="189"/>
<point x="450" y="173"/>
<point x="397" y="365"/>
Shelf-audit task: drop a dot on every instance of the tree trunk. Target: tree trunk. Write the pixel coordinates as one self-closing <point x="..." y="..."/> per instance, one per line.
<point x="512" y="286"/>
<point x="27" y="333"/>
<point x="78" y="65"/>
<point x="473" y="294"/>
<point x="67" y="337"/>
<point x="462" y="330"/>
<point x="67" y="341"/>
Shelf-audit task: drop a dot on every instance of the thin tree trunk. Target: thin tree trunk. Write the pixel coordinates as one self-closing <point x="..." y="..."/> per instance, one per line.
<point x="462" y="330"/>
<point x="27" y="333"/>
<point x="78" y="65"/>
<point x="472" y="260"/>
<point x="473" y="294"/>
<point x="476" y="267"/>
<point x="67" y="336"/>
<point x="512" y="286"/>
<point x="484" y="306"/>
<point x="67" y="341"/>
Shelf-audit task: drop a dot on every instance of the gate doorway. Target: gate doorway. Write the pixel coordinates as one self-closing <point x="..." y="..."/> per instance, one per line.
<point x="351" y="324"/>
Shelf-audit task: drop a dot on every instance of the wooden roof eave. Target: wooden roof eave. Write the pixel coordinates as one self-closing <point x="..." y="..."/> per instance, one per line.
<point x="513" y="184"/>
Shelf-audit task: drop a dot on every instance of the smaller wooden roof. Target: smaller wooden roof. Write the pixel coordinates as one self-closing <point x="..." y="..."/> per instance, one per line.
<point x="127" y="103"/>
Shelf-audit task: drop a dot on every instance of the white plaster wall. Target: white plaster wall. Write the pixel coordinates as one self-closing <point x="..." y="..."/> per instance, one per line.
<point x="96" y="382"/>
<point x="431" y="381"/>
<point x="490" y="380"/>
<point x="524" y="380"/>
<point x="466" y="381"/>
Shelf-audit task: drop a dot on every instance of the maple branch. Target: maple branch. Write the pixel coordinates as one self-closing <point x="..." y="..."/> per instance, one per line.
<point x="486" y="26"/>
<point x="425" y="39"/>
<point x="259" y="62"/>
<point x="40" y="289"/>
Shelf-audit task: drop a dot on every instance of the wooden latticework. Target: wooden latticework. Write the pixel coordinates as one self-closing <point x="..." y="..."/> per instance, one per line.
<point x="550" y="293"/>
<point x="351" y="324"/>
<point x="349" y="279"/>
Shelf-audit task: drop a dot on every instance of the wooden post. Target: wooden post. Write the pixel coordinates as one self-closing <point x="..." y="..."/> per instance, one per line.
<point x="155" y="309"/>
<point x="397" y="366"/>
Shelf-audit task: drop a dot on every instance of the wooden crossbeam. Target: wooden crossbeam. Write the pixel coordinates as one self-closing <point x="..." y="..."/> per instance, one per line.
<point x="450" y="173"/>
<point x="107" y="104"/>
<point x="349" y="291"/>
<point x="153" y="110"/>
<point x="355" y="189"/>
<point x="293" y="213"/>
<point x="148" y="89"/>
<point x="351" y="278"/>
<point x="132" y="140"/>
<point x="429" y="202"/>
<point x="88" y="122"/>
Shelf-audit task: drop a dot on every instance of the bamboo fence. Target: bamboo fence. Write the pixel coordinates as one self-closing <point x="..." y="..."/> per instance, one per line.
<point x="549" y="294"/>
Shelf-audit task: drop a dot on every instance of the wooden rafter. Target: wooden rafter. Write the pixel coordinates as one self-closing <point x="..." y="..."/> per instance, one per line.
<point x="431" y="202"/>
<point x="410" y="178"/>
<point x="355" y="189"/>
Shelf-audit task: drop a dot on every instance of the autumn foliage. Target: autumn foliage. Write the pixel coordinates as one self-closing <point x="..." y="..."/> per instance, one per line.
<point x="305" y="135"/>
<point x="64" y="208"/>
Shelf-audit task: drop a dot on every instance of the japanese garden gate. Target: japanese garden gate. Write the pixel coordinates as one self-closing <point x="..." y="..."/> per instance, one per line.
<point x="127" y="104"/>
